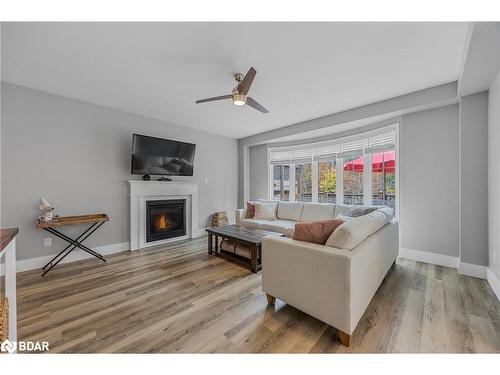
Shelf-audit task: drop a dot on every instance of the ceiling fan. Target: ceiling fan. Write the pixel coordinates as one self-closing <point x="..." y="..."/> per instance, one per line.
<point x="239" y="95"/>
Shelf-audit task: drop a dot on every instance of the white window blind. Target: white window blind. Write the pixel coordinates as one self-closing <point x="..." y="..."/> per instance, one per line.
<point x="298" y="156"/>
<point x="381" y="142"/>
<point x="336" y="148"/>
<point x="328" y="152"/>
<point x="280" y="157"/>
<point x="353" y="149"/>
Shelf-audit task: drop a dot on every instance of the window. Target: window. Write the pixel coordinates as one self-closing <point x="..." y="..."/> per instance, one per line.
<point x="356" y="170"/>
<point x="327" y="181"/>
<point x="281" y="182"/>
<point x="384" y="178"/>
<point x="303" y="182"/>
<point x="353" y="180"/>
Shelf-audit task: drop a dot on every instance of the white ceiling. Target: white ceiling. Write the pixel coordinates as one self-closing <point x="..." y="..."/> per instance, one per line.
<point x="305" y="70"/>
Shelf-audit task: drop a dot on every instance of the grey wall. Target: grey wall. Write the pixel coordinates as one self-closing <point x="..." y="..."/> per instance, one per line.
<point x="494" y="176"/>
<point x="416" y="101"/>
<point x="259" y="172"/>
<point x="429" y="175"/>
<point x="473" y="196"/>
<point x="429" y="181"/>
<point x="77" y="155"/>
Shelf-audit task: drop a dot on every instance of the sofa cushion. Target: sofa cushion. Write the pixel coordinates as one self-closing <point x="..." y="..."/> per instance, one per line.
<point x="351" y="233"/>
<point x="377" y="220"/>
<point x="317" y="211"/>
<point x="265" y="211"/>
<point x="344" y="218"/>
<point x="253" y="223"/>
<point x="281" y="226"/>
<point x="315" y="231"/>
<point x="341" y="209"/>
<point x="389" y="212"/>
<point x="290" y="210"/>
<point x="358" y="210"/>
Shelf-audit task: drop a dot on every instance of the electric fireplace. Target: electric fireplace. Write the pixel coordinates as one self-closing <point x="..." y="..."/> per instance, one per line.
<point x="165" y="219"/>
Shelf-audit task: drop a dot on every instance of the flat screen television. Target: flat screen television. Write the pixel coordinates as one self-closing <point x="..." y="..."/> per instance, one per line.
<point x="158" y="156"/>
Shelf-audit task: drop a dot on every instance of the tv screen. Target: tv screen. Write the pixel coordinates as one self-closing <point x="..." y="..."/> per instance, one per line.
<point x="157" y="156"/>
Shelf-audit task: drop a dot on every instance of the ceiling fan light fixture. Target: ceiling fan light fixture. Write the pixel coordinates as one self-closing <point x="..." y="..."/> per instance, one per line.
<point x="239" y="99"/>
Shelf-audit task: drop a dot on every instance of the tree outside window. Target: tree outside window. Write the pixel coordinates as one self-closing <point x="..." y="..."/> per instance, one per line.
<point x="327" y="181"/>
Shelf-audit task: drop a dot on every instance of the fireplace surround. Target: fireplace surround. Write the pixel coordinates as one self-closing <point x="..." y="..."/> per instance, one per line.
<point x="142" y="192"/>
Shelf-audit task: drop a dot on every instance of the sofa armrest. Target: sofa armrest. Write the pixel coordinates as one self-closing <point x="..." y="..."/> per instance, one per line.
<point x="311" y="277"/>
<point x="240" y="214"/>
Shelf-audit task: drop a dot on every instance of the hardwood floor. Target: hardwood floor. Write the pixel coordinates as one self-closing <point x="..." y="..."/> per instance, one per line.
<point x="179" y="299"/>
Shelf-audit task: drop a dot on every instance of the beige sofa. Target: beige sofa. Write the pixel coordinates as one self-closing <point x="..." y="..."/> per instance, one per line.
<point x="289" y="213"/>
<point x="333" y="283"/>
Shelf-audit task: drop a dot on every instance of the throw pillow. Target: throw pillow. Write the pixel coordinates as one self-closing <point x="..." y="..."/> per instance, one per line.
<point x="265" y="211"/>
<point x="356" y="211"/>
<point x="353" y="232"/>
<point x="250" y="210"/>
<point x="315" y="231"/>
<point x="344" y="218"/>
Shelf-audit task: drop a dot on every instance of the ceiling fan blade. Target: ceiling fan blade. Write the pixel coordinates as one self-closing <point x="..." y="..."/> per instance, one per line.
<point x="229" y="96"/>
<point x="253" y="103"/>
<point x="244" y="85"/>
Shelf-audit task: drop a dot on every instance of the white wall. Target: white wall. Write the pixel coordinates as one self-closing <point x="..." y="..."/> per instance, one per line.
<point x="429" y="179"/>
<point x="259" y="172"/>
<point x="494" y="176"/>
<point x="473" y="195"/>
<point x="77" y="155"/>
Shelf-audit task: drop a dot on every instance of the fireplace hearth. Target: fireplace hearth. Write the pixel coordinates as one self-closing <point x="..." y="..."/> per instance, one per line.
<point x="165" y="219"/>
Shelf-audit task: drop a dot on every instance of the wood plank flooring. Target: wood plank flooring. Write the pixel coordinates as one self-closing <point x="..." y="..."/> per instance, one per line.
<point x="177" y="299"/>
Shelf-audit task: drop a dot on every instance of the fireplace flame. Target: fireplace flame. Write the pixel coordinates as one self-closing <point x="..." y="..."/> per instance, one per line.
<point x="162" y="223"/>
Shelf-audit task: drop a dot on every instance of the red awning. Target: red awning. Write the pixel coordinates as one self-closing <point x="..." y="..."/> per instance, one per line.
<point x="380" y="160"/>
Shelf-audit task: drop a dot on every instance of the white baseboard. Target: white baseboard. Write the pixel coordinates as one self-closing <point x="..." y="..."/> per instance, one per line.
<point x="39" y="262"/>
<point x="433" y="258"/>
<point x="468" y="269"/>
<point x="493" y="281"/>
<point x="474" y="270"/>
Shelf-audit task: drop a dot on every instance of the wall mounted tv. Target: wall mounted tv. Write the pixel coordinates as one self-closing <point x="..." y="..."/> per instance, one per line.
<point x="158" y="156"/>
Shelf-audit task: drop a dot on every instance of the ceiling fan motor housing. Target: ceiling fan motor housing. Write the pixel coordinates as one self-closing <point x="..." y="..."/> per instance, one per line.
<point x="238" y="77"/>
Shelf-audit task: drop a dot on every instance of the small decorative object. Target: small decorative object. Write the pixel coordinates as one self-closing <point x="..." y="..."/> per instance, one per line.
<point x="219" y="219"/>
<point x="46" y="209"/>
<point x="4" y="318"/>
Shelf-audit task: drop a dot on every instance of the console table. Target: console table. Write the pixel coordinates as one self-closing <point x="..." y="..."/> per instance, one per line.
<point x="8" y="250"/>
<point x="95" y="222"/>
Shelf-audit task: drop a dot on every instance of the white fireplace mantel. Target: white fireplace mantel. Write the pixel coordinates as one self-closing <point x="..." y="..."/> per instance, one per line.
<point x="142" y="191"/>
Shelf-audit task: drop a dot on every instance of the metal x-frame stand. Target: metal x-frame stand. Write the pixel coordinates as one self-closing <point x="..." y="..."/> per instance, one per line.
<point x="73" y="243"/>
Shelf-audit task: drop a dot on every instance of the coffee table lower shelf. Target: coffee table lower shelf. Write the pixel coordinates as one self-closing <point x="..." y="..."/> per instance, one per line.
<point x="250" y="237"/>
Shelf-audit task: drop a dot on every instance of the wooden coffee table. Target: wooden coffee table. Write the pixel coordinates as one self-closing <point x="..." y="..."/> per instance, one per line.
<point x="239" y="234"/>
